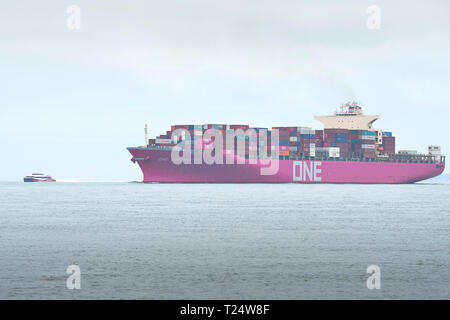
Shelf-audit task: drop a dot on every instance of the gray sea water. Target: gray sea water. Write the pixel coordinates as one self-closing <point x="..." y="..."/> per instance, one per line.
<point x="224" y="241"/>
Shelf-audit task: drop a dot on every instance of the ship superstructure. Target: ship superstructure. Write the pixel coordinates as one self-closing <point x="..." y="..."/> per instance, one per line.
<point x="350" y="116"/>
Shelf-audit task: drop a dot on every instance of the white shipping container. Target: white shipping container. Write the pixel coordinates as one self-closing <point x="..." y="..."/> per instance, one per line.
<point x="333" y="152"/>
<point x="312" y="146"/>
<point x="304" y="130"/>
<point x="163" y="141"/>
<point x="292" y="138"/>
<point x="293" y="148"/>
<point x="368" y="146"/>
<point x="368" y="137"/>
<point x="407" y="151"/>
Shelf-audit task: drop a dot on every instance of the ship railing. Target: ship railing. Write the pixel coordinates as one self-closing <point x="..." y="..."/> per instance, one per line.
<point x="401" y="158"/>
<point x="421" y="158"/>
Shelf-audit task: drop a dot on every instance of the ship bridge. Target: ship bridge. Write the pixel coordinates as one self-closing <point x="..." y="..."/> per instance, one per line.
<point x="349" y="117"/>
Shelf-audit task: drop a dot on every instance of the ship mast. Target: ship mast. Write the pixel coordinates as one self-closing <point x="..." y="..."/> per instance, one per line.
<point x="146" y="135"/>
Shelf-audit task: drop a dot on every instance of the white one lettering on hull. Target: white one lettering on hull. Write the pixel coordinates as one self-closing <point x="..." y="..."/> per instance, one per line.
<point x="307" y="171"/>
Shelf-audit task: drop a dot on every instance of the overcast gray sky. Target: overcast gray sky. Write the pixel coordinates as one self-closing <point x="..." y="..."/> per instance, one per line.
<point x="72" y="100"/>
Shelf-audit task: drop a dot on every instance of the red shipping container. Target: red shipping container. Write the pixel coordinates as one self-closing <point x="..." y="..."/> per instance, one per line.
<point x="239" y="126"/>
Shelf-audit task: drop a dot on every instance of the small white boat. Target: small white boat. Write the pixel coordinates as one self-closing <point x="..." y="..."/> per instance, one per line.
<point x="38" y="177"/>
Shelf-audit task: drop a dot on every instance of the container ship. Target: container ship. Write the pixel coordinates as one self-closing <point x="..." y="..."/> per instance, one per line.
<point x="347" y="150"/>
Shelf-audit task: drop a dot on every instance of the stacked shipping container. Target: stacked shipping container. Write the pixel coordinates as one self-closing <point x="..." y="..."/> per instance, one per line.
<point x="292" y="140"/>
<point x="388" y="146"/>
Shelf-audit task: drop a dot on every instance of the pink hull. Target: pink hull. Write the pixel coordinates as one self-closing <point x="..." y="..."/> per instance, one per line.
<point x="157" y="166"/>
